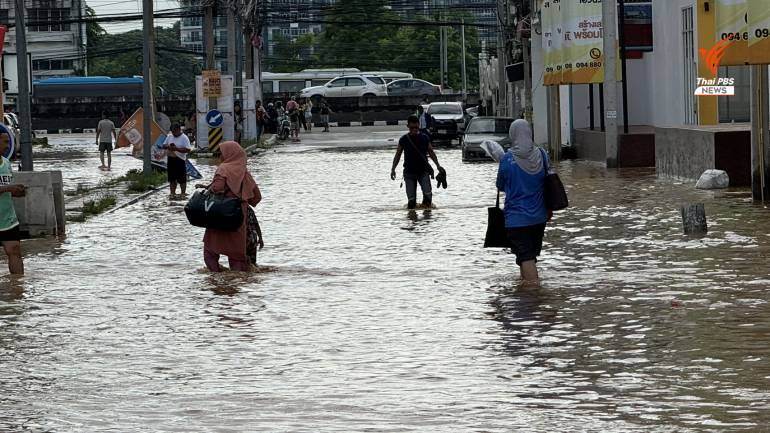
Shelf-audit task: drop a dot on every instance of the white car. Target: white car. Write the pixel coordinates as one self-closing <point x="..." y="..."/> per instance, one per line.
<point x="350" y="86"/>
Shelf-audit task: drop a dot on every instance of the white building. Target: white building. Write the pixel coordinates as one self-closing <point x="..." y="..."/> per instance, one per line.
<point x="56" y="46"/>
<point x="191" y="35"/>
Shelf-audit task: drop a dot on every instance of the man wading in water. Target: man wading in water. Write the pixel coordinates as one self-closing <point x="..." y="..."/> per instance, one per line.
<point x="416" y="148"/>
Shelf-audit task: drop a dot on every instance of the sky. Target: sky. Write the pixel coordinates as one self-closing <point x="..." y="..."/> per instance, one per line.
<point x="128" y="7"/>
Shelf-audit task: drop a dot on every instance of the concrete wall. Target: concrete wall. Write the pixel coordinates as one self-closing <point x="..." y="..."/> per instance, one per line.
<point x="666" y="72"/>
<point x="41" y="211"/>
<point x="686" y="152"/>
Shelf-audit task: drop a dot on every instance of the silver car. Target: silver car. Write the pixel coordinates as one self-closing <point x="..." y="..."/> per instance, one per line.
<point x="485" y="128"/>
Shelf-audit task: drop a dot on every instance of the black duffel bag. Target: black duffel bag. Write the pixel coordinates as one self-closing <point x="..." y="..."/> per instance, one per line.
<point x="214" y="211"/>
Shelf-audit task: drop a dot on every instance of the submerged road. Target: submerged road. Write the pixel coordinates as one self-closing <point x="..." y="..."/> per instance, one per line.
<point x="367" y="317"/>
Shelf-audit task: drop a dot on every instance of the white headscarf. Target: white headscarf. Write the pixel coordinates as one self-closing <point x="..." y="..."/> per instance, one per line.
<point x="527" y="156"/>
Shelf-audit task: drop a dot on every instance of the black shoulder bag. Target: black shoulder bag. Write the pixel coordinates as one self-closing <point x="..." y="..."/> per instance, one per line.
<point x="214" y="211"/>
<point x="554" y="194"/>
<point x="497" y="235"/>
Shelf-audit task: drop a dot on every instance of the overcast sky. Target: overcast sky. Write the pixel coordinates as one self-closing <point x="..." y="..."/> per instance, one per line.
<point x="128" y="7"/>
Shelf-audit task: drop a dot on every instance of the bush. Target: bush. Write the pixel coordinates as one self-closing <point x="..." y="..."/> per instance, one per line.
<point x="98" y="205"/>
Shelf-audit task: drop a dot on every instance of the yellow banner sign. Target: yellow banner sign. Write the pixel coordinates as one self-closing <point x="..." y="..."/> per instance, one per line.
<point x="759" y="31"/>
<point x="731" y="26"/>
<point x="572" y="42"/>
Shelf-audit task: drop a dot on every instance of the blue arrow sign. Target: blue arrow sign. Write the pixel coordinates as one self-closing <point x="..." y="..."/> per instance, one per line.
<point x="11" y="145"/>
<point x="214" y="118"/>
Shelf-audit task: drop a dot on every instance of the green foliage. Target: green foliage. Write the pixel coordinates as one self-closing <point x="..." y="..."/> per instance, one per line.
<point x="94" y="32"/>
<point x="120" y="55"/>
<point x="98" y="205"/>
<point x="350" y="40"/>
<point x="138" y="182"/>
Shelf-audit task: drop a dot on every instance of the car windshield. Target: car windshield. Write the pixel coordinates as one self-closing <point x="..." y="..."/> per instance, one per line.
<point x="375" y="80"/>
<point x="489" y="126"/>
<point x="445" y="109"/>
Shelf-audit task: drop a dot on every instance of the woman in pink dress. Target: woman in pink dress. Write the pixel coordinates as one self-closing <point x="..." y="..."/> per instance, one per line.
<point x="232" y="179"/>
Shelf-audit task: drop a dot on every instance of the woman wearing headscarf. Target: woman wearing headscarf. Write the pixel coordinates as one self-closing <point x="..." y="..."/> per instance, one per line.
<point x="232" y="179"/>
<point x="521" y="176"/>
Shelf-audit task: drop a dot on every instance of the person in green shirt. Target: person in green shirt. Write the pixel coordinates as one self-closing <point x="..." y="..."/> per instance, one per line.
<point x="9" y="224"/>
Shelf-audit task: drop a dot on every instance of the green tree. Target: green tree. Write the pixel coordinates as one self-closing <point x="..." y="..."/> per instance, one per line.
<point x="94" y="32"/>
<point x="120" y="55"/>
<point x="291" y="55"/>
<point x="350" y="40"/>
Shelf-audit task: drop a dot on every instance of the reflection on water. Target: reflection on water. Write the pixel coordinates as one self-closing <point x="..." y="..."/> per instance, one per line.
<point x="366" y="316"/>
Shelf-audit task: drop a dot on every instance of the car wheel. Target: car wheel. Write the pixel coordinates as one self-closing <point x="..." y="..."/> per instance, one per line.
<point x="369" y="95"/>
<point x="316" y="100"/>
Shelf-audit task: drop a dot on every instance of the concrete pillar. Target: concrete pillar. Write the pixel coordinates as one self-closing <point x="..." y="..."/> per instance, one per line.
<point x="41" y="211"/>
<point x="609" y="10"/>
<point x="760" y="134"/>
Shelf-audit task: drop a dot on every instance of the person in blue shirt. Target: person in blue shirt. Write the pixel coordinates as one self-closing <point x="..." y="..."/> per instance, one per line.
<point x="521" y="176"/>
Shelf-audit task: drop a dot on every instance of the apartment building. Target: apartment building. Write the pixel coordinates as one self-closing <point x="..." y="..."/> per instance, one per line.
<point x="57" y="46"/>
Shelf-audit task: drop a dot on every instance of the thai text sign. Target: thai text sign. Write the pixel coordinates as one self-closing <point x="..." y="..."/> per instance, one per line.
<point x="572" y="41"/>
<point x="212" y="84"/>
<point x="745" y="25"/>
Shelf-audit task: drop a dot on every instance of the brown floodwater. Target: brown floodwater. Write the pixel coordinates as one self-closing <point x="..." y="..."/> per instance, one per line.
<point x="366" y="317"/>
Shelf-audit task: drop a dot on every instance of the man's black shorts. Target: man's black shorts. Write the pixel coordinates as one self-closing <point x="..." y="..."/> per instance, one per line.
<point x="105" y="146"/>
<point x="526" y="242"/>
<point x="10" y="234"/>
<point x="177" y="170"/>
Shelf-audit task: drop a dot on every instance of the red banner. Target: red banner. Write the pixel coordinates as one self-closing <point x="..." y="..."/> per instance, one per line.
<point x="3" y="30"/>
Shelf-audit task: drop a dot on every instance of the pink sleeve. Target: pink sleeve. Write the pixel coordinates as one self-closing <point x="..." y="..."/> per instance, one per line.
<point x="218" y="185"/>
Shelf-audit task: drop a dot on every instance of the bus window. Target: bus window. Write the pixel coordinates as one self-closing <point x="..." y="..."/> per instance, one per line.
<point x="318" y="82"/>
<point x="267" y="87"/>
<point x="290" y="86"/>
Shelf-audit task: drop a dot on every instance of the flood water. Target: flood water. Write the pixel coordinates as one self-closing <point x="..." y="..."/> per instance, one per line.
<point x="366" y="317"/>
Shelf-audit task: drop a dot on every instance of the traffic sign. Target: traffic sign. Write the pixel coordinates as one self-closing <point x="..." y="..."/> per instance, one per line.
<point x="214" y="118"/>
<point x="215" y="139"/>
<point x="11" y="144"/>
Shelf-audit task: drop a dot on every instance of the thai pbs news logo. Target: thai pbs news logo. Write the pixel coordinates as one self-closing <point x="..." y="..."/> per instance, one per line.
<point x="717" y="86"/>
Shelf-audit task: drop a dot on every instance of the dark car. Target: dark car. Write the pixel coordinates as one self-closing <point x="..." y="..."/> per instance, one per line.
<point x="485" y="128"/>
<point x="448" y="120"/>
<point x="411" y="87"/>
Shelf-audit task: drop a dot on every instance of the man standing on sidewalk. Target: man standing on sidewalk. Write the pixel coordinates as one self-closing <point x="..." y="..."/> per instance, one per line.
<point x="176" y="165"/>
<point x="416" y="148"/>
<point x="105" y="132"/>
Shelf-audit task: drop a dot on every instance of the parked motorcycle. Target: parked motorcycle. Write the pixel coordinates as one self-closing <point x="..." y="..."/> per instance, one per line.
<point x="284" y="126"/>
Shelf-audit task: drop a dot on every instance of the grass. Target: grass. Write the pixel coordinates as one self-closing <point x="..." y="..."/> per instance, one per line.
<point x="95" y="206"/>
<point x="99" y="204"/>
<point x="138" y="182"/>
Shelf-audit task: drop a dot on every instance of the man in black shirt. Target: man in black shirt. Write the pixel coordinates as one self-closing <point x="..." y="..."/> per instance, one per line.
<point x="416" y="148"/>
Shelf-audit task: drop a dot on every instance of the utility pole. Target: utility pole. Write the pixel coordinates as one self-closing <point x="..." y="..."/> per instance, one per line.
<point x="610" y="114"/>
<point x="239" y="58"/>
<point x="209" y="39"/>
<point x="23" y="103"/>
<point x="527" y="58"/>
<point x="231" y="44"/>
<point x="760" y="135"/>
<point x="465" y="78"/>
<point x="147" y="55"/>
<point x="248" y="51"/>
<point x="502" y="85"/>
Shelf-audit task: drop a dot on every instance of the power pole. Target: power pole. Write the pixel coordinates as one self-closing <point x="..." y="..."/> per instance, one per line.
<point x="465" y="77"/>
<point x="209" y="39"/>
<point x="231" y="44"/>
<point x="502" y="85"/>
<point x="147" y="56"/>
<point x="760" y="135"/>
<point x="239" y="58"/>
<point x="248" y="51"/>
<point x="610" y="114"/>
<point x="23" y="103"/>
<point x="528" y="66"/>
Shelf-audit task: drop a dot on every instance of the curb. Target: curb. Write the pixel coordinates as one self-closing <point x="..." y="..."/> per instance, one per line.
<point x="315" y="125"/>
